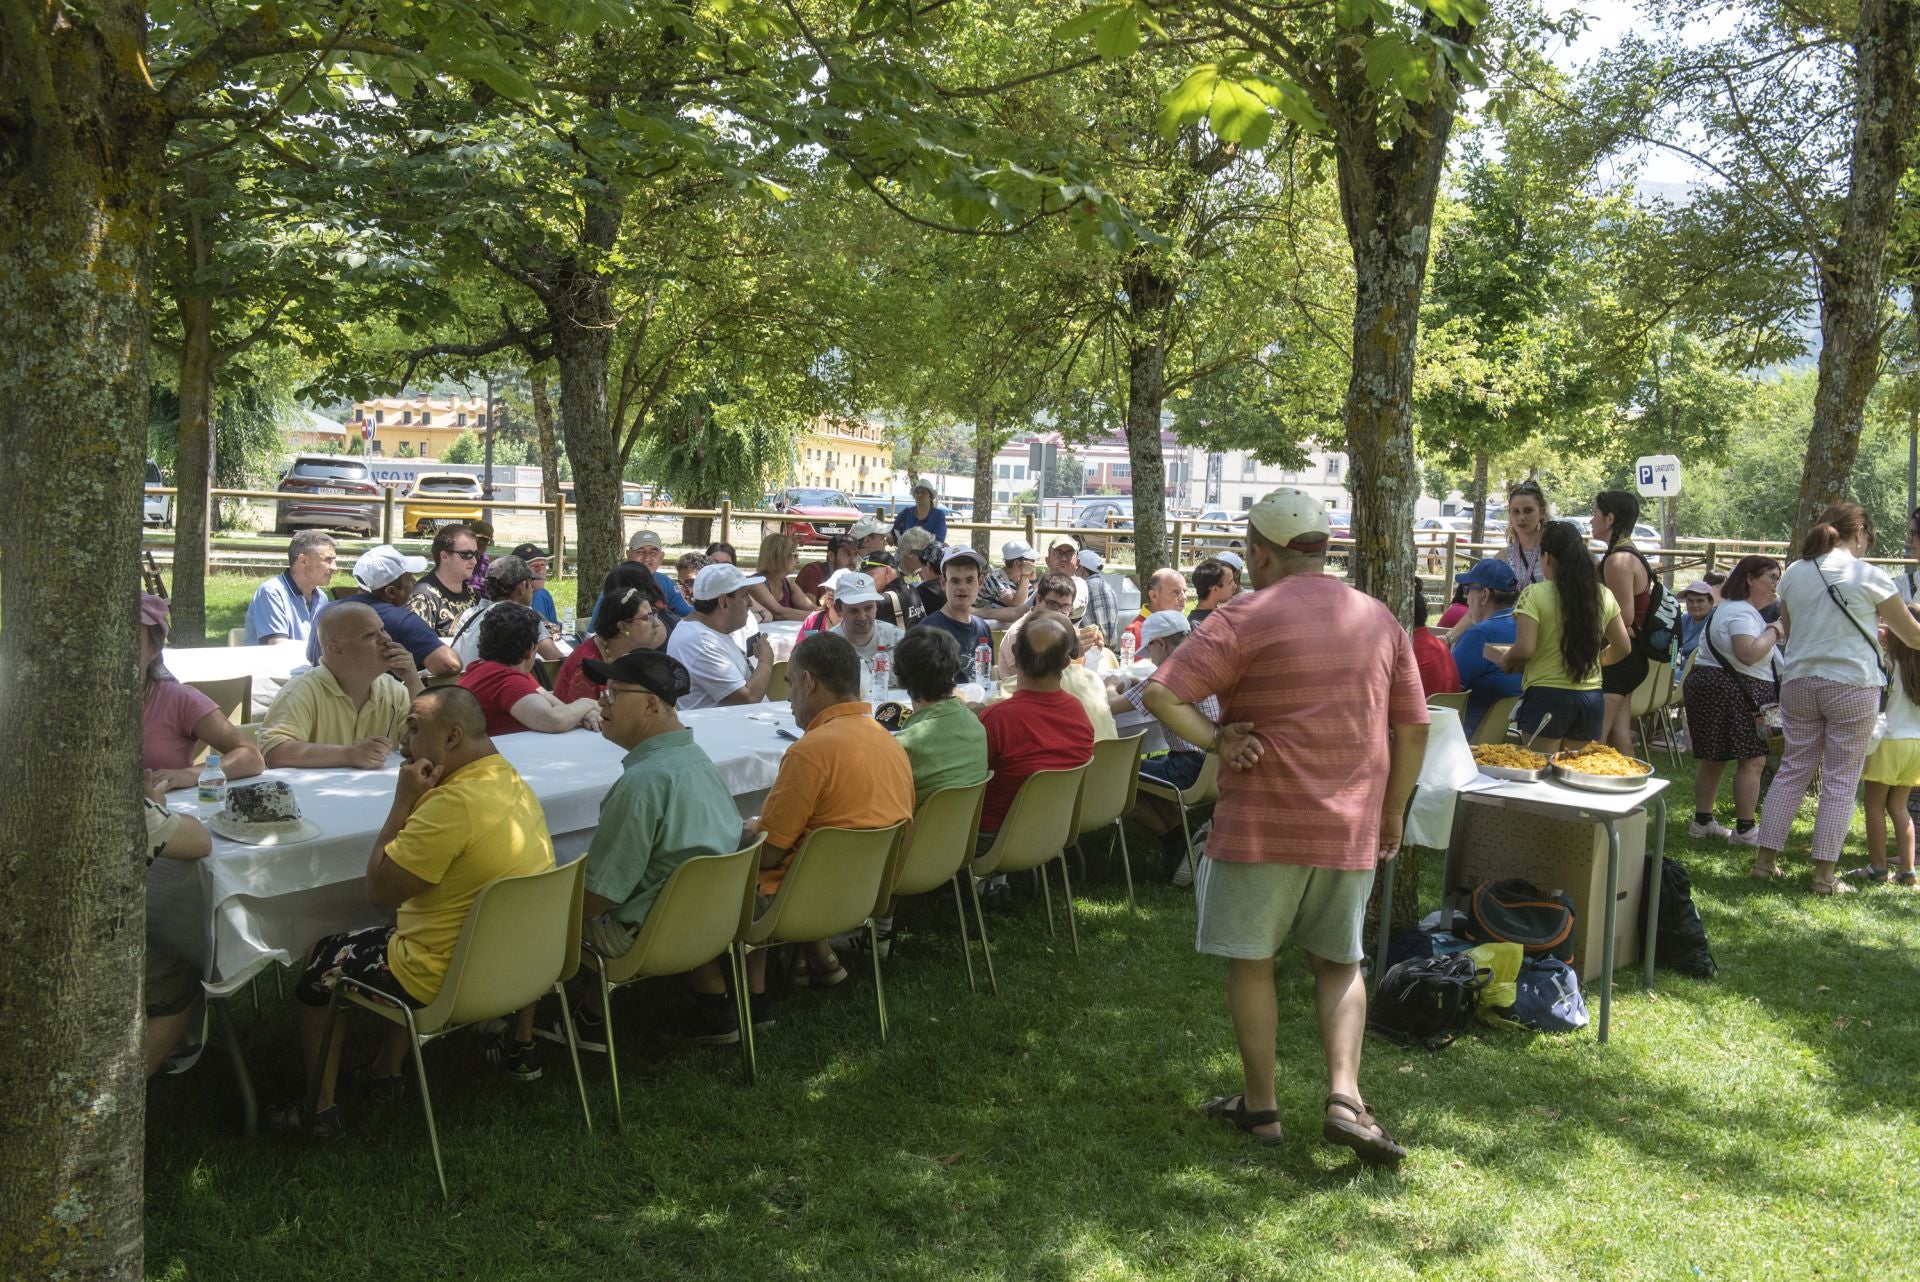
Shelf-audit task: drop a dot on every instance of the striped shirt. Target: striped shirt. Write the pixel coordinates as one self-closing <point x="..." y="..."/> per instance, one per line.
<point x="1321" y="671"/>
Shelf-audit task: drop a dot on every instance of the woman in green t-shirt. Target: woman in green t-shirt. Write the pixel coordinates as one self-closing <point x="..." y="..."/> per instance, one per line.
<point x="1566" y="629"/>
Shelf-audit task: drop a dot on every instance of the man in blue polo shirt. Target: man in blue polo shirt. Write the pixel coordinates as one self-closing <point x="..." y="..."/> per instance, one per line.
<point x="646" y="548"/>
<point x="283" y="607"/>
<point x="1491" y="592"/>
<point x="386" y="580"/>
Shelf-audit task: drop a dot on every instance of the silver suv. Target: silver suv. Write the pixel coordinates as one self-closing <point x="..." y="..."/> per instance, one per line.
<point x="336" y="493"/>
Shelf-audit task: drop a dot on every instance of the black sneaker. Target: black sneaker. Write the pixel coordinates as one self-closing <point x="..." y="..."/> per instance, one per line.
<point x="713" y="1021"/>
<point x="520" y="1061"/>
<point x="589" y="1032"/>
<point x="760" y="1006"/>
<point x="381" y="1092"/>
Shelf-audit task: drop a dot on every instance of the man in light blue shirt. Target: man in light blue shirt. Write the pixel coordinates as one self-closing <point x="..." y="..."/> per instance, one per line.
<point x="283" y="607"/>
<point x="646" y="548"/>
<point x="1491" y="591"/>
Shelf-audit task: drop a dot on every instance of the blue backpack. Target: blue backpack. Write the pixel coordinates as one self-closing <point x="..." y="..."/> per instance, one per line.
<point x="1547" y="997"/>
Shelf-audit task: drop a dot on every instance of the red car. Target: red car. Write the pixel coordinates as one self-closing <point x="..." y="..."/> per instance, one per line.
<point x="818" y="514"/>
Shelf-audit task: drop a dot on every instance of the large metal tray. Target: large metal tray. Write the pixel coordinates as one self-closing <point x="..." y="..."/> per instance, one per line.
<point x="1512" y="774"/>
<point x="1602" y="783"/>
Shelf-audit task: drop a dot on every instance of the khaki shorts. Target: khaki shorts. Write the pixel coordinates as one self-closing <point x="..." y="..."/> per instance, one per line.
<point x="609" y="936"/>
<point x="1247" y="911"/>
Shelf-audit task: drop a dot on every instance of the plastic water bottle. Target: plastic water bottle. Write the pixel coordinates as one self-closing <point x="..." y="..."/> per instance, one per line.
<point x="1126" y="651"/>
<point x="983" y="664"/>
<point x="882" y="673"/>
<point x="212" y="787"/>
<point x="567" y="620"/>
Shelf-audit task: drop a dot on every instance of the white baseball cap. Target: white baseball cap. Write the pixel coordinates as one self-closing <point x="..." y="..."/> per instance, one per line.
<point x="965" y="552"/>
<point x="1017" y="550"/>
<point x="1063" y="541"/>
<point x="377" y="567"/>
<point x="1232" y="559"/>
<point x="855" y="588"/>
<point x="832" y="583"/>
<point x="644" y="539"/>
<point x="716" y="581"/>
<point x="1090" y="559"/>
<point x="865" y="527"/>
<point x="1163" y="623"/>
<point x="1291" y="518"/>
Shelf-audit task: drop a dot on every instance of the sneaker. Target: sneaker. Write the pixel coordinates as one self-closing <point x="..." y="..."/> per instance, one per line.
<point x="1751" y="837"/>
<point x="760" y="1007"/>
<point x="1183" y="872"/>
<point x="326" y="1126"/>
<point x="589" y="1032"/>
<point x="1711" y="830"/>
<point x="713" y="1021"/>
<point x="520" y="1061"/>
<point x="381" y="1092"/>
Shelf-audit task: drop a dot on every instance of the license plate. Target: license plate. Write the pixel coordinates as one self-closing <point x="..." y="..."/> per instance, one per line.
<point x="329" y="489"/>
<point x="830" y="529"/>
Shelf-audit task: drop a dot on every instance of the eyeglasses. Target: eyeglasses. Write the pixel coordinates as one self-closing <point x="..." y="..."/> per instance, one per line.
<point x="468" y="555"/>
<point x="609" y="693"/>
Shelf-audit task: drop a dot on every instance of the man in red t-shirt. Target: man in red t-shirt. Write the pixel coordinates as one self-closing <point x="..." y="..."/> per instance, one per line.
<point x="1324" y="729"/>
<point x="1039" y="726"/>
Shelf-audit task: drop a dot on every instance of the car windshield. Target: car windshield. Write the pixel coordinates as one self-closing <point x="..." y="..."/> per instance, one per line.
<point x="817" y="498"/>
<point x="323" y="469"/>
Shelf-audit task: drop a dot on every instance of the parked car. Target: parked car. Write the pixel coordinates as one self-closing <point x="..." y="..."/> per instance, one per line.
<point x="461" y="505"/>
<point x="1643" y="534"/>
<point x="337" y="493"/>
<point x="1110" y="514"/>
<point x="816" y="514"/>
<point x="156" y="509"/>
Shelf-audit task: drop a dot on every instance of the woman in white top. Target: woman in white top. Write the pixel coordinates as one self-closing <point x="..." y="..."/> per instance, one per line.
<point x="1732" y="679"/>
<point x="1830" y="603"/>
<point x="1527" y="518"/>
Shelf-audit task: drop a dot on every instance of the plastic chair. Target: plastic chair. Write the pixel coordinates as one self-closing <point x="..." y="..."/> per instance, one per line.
<point x="830" y="888"/>
<point x="1108" y="794"/>
<point x="935" y="852"/>
<point x="551" y="667"/>
<point x="231" y="695"/>
<point x="429" y="682"/>
<point x="694" y="919"/>
<point x="1647" y="700"/>
<point x="1205" y="789"/>
<point x="778" y="687"/>
<point x="521" y="940"/>
<point x="1044" y="817"/>
<point x="1457" y="701"/>
<point x="236" y="636"/>
<point x="1493" y="726"/>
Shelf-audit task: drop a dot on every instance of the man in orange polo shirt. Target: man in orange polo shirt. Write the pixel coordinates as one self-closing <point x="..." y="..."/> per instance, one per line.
<point x="846" y="772"/>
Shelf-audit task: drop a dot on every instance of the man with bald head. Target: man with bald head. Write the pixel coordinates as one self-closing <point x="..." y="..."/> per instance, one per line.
<point x="347" y="709"/>
<point x="1038" y="727"/>
<point x="1166" y="590"/>
<point x="461" y="818"/>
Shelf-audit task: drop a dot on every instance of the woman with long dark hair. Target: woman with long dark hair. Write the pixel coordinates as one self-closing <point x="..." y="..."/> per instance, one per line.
<point x="1566" y="629"/>
<point x="1831" y="603"/>
<point x="1527" y="517"/>
<point x="1732" y="681"/>
<point x="1630" y="579"/>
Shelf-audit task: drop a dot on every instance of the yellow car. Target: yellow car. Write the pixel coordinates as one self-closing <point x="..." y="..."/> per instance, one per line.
<point x="456" y="499"/>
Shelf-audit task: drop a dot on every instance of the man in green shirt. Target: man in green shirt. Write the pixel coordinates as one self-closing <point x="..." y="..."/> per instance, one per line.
<point x="668" y="806"/>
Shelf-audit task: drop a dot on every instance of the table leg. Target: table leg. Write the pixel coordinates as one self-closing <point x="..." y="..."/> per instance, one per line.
<point x="249" y="1106"/>
<point x="1607" y="924"/>
<point x="1652" y="892"/>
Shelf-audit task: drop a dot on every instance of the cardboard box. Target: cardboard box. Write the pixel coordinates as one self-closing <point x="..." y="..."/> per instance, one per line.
<point x="1492" y="844"/>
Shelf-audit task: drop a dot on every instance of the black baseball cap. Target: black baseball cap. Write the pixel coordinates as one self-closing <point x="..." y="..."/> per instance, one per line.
<point x="656" y="673"/>
<point x="887" y="559"/>
<point x="532" y="552"/>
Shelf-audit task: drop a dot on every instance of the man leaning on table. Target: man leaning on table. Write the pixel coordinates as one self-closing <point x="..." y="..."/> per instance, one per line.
<point x="387" y="577"/>
<point x="721" y="672"/>
<point x="283" y="608"/>
<point x="461" y="818"/>
<point x="348" y="709"/>
<point x="1324" y="725"/>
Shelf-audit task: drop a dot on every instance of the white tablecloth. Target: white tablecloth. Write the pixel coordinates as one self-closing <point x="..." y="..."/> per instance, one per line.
<point x="270" y="666"/>
<point x="244" y="906"/>
<point x="782" y="637"/>
<point x="1448" y="766"/>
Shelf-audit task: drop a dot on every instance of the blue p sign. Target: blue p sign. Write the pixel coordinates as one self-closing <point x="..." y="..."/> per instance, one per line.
<point x="1646" y="476"/>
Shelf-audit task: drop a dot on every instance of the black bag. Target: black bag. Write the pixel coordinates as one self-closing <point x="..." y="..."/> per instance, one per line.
<point x="1518" y="912"/>
<point x="1680" y="939"/>
<point x="1428" y="1001"/>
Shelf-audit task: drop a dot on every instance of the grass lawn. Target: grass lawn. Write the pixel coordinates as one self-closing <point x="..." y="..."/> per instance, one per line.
<point x="1757" y="1125"/>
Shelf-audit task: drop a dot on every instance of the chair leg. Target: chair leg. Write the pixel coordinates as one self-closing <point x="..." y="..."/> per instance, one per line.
<point x="743" y="1009"/>
<point x="1046" y="889"/>
<point x="879" y="985"/>
<point x="1066" y="892"/>
<point x="1186" y="830"/>
<point x="318" y="1068"/>
<point x="980" y="920"/>
<point x="613" y="1056"/>
<point x="426" y="1100"/>
<point x="966" y="949"/>
<point x="1126" y="864"/>
<point x="242" y="1080"/>
<point x="573" y="1051"/>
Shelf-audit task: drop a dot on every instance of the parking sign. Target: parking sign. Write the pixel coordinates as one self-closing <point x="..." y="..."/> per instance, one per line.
<point x="1657" y="476"/>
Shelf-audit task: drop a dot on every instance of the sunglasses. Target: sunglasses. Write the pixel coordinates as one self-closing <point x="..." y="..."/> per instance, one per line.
<point x="468" y="555"/>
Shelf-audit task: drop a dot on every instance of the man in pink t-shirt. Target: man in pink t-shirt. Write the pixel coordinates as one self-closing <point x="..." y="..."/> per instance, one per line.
<point x="1324" y="726"/>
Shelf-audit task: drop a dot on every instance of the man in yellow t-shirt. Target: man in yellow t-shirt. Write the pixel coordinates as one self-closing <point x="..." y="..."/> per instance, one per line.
<point x="462" y="818"/>
<point x="346" y="710"/>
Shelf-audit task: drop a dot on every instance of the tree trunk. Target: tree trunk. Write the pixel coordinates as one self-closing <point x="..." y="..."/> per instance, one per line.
<point x="549" y="458"/>
<point x="1853" y="275"/>
<point x="1480" y="465"/>
<point x="81" y="139"/>
<point x="583" y="320"/>
<point x="193" y="467"/>
<point x="986" y="444"/>
<point x="1149" y="295"/>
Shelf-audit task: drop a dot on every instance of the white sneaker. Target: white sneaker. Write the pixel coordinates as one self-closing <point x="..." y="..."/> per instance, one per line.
<point x="1751" y="837"/>
<point x="1713" y="829"/>
<point x="1183" y="872"/>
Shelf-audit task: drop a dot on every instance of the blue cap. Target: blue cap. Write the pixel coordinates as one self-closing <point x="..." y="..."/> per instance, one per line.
<point x="1492" y="573"/>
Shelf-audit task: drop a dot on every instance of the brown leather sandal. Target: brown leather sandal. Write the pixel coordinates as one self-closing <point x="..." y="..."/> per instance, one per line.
<point x="1234" y="1109"/>
<point x="1365" y="1136"/>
